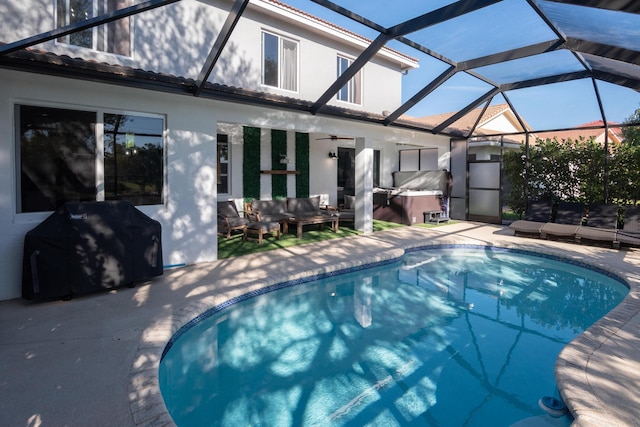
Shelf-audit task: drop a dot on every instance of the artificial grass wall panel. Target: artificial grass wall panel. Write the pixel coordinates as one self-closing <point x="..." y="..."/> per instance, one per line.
<point x="251" y="163"/>
<point x="302" y="164"/>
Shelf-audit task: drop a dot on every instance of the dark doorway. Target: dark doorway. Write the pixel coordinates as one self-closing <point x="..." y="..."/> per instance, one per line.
<point x="346" y="173"/>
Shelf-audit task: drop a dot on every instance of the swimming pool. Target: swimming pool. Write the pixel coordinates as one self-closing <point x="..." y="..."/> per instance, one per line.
<point x="447" y="336"/>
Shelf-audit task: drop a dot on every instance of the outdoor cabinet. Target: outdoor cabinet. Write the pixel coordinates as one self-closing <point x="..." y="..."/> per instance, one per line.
<point x="90" y="246"/>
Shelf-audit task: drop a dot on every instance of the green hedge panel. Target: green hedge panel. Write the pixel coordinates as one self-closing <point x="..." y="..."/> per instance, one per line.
<point x="302" y="164"/>
<point x="251" y="163"/>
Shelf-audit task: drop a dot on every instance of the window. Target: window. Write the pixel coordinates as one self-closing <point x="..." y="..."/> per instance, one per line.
<point x="376" y="168"/>
<point x="279" y="62"/>
<point x="223" y="164"/>
<point x="352" y="91"/>
<point x="133" y="160"/>
<point x="419" y="160"/>
<point x="114" y="37"/>
<point x="57" y="153"/>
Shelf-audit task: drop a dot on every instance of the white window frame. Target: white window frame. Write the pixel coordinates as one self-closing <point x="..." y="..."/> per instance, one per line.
<point x="354" y="86"/>
<point x="227" y="161"/>
<point x="67" y="22"/>
<point x="281" y="60"/>
<point x="99" y="154"/>
<point x="98" y="33"/>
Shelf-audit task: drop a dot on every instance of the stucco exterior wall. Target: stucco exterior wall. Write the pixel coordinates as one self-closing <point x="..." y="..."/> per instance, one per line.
<point x="188" y="215"/>
<point x="176" y="39"/>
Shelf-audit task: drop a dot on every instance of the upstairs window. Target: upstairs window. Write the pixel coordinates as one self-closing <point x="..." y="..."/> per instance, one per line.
<point x="114" y="37"/>
<point x="352" y="91"/>
<point x="279" y="62"/>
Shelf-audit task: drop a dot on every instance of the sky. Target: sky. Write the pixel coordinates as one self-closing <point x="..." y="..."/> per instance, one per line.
<point x="490" y="30"/>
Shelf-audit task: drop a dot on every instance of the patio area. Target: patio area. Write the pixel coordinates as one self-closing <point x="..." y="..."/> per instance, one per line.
<point x="93" y="360"/>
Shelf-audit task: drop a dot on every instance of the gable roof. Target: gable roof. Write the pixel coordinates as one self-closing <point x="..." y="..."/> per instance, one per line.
<point x="474" y="123"/>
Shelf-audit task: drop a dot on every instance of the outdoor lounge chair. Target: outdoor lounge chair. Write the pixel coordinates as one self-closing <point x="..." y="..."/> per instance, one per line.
<point x="630" y="232"/>
<point x="568" y="218"/>
<point x="229" y="218"/>
<point x="601" y="225"/>
<point x="538" y="213"/>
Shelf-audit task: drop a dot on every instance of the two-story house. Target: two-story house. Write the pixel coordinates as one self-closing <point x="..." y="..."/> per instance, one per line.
<point x="175" y="105"/>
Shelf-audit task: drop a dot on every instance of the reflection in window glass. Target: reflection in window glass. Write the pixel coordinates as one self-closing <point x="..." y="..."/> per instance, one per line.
<point x="56" y="152"/>
<point x="269" y="60"/>
<point x="114" y="37"/>
<point x="71" y="12"/>
<point x="133" y="153"/>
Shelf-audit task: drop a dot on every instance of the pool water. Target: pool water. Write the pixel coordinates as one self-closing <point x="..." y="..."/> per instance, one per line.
<point x="443" y="337"/>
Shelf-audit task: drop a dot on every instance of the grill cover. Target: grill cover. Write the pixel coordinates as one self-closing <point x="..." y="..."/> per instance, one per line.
<point x="90" y="246"/>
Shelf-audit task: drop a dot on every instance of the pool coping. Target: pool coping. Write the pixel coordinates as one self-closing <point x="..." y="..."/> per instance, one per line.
<point x="573" y="369"/>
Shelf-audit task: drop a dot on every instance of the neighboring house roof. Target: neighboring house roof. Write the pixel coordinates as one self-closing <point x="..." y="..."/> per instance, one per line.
<point x="496" y="119"/>
<point x="593" y="129"/>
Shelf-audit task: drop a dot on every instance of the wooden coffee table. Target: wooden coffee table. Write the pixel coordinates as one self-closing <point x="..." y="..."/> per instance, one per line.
<point x="314" y="219"/>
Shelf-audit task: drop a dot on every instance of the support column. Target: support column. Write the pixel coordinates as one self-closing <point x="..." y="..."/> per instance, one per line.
<point x="364" y="186"/>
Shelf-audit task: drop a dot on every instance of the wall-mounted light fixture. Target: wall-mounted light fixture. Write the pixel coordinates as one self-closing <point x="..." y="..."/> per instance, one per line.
<point x="332" y="155"/>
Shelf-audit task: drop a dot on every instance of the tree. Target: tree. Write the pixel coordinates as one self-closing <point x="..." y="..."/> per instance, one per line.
<point x="573" y="170"/>
<point x="632" y="133"/>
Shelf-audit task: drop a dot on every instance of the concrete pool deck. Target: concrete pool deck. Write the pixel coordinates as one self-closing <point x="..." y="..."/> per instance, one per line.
<point x="93" y="360"/>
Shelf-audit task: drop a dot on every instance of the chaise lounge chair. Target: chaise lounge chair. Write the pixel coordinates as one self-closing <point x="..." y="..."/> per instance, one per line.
<point x="601" y="225"/>
<point x="630" y="233"/>
<point x="538" y="213"/>
<point x="229" y="218"/>
<point x="568" y="218"/>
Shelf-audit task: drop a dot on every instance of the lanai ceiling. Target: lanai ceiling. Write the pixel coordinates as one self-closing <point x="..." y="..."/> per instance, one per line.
<point x="495" y="49"/>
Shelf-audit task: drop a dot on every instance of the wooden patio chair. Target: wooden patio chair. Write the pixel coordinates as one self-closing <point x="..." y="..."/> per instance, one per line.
<point x="229" y="219"/>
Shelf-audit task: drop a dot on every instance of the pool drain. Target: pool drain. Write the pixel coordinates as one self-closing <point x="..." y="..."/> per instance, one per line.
<point x="552" y="406"/>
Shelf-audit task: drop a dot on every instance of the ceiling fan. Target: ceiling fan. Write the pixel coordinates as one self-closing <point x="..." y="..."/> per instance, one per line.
<point x="336" y="138"/>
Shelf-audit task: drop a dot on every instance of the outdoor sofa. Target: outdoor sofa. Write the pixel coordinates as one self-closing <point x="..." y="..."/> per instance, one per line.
<point x="296" y="211"/>
<point x="281" y="210"/>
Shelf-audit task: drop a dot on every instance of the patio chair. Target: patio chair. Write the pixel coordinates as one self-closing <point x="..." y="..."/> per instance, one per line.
<point x="630" y="232"/>
<point x="601" y="224"/>
<point x="229" y="218"/>
<point x="569" y="216"/>
<point x="537" y="214"/>
<point x="348" y="210"/>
